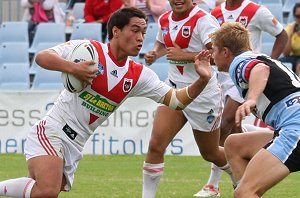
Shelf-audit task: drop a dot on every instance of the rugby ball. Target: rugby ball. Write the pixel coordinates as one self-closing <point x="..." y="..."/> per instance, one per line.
<point x="82" y="52"/>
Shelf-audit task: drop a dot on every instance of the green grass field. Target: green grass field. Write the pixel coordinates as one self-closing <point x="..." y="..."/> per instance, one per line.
<point x="121" y="176"/>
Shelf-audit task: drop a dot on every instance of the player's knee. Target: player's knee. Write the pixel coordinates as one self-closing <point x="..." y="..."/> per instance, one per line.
<point x="231" y="144"/>
<point x="155" y="147"/>
<point x="209" y="156"/>
<point x="237" y="193"/>
<point x="241" y="192"/>
<point x="225" y="128"/>
<point x="244" y="191"/>
<point x="51" y="193"/>
<point x="46" y="193"/>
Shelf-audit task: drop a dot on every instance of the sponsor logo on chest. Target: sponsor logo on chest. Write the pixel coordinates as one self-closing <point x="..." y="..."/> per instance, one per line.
<point x="96" y="104"/>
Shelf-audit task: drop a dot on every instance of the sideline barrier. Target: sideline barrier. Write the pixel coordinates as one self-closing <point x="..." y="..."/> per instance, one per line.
<point x="127" y="131"/>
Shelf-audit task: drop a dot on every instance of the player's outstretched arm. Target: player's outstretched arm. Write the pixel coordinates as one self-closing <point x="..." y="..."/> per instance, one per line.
<point x="179" y="99"/>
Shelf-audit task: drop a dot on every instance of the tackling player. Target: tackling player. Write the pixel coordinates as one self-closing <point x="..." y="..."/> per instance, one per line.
<point x="256" y="19"/>
<point x="272" y="93"/>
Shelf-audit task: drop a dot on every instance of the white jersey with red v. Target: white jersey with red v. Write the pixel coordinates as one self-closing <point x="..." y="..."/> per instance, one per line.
<point x="191" y="33"/>
<point x="254" y="17"/>
<point x="243" y="14"/>
<point x="114" y="80"/>
<point x="114" y="83"/>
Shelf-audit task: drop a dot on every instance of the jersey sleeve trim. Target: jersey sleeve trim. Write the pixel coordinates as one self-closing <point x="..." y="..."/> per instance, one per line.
<point x="249" y="67"/>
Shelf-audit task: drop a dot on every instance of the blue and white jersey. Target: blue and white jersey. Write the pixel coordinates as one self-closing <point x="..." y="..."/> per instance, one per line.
<point x="281" y="82"/>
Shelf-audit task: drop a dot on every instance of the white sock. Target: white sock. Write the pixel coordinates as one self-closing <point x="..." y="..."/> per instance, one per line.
<point x="20" y="187"/>
<point x="215" y="175"/>
<point x="151" y="177"/>
<point x="228" y="170"/>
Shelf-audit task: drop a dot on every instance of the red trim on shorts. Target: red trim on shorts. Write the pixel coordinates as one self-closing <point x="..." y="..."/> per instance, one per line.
<point x="215" y="126"/>
<point x="44" y="140"/>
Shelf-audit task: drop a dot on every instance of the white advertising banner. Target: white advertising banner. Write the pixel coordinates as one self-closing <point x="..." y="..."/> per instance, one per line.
<point x="18" y="112"/>
<point x="127" y="131"/>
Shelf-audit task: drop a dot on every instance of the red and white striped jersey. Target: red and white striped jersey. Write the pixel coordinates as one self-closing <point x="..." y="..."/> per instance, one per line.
<point x="115" y="81"/>
<point x="191" y="33"/>
<point x="256" y="18"/>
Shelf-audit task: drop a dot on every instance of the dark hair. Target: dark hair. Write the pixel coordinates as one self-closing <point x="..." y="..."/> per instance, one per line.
<point x="297" y="5"/>
<point x="121" y="18"/>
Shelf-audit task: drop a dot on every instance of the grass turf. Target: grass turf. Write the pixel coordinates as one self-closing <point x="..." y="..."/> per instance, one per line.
<point x="121" y="176"/>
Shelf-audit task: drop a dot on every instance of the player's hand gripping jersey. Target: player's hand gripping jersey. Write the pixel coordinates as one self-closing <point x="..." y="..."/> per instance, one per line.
<point x="273" y="96"/>
<point x="115" y="82"/>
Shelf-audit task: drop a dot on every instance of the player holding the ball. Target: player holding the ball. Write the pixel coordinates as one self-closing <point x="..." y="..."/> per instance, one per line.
<point x="54" y="144"/>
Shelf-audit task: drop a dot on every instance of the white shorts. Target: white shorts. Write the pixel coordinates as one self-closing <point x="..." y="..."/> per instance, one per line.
<point x="204" y="113"/>
<point x="228" y="87"/>
<point x="46" y="137"/>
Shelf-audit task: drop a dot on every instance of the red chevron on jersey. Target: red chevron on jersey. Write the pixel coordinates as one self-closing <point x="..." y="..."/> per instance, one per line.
<point x="180" y="69"/>
<point x="119" y="92"/>
<point x="244" y="17"/>
<point x="217" y="13"/>
<point x="184" y="34"/>
<point x="165" y="24"/>
<point x="247" y="13"/>
<point x="125" y="85"/>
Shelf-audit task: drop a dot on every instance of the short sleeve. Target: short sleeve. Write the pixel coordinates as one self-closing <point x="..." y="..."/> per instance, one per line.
<point x="207" y="25"/>
<point x="159" y="36"/>
<point x="150" y="86"/>
<point x="267" y="22"/>
<point x="64" y="49"/>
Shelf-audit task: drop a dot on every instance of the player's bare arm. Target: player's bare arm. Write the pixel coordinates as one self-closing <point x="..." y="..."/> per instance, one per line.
<point x="158" y="51"/>
<point x="176" y="54"/>
<point x="279" y="44"/>
<point x="257" y="82"/>
<point x="180" y="98"/>
<point x="50" y="60"/>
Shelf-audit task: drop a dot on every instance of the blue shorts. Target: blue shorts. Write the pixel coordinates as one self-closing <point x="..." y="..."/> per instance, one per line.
<point x="285" y="118"/>
<point x="286" y="148"/>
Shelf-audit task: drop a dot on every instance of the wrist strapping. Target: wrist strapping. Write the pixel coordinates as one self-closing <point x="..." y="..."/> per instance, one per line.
<point x="187" y="93"/>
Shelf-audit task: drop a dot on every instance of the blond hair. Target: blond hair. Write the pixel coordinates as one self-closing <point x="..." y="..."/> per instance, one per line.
<point x="232" y="35"/>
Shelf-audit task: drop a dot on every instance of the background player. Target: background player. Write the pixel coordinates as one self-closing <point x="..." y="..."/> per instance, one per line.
<point x="183" y="32"/>
<point x="271" y="92"/>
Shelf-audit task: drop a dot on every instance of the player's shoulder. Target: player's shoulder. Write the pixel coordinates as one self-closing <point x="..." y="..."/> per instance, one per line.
<point x="134" y="66"/>
<point x="252" y="4"/>
<point x="164" y="16"/>
<point x="217" y="11"/>
<point x="243" y="59"/>
<point x="197" y="12"/>
<point x="262" y="10"/>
